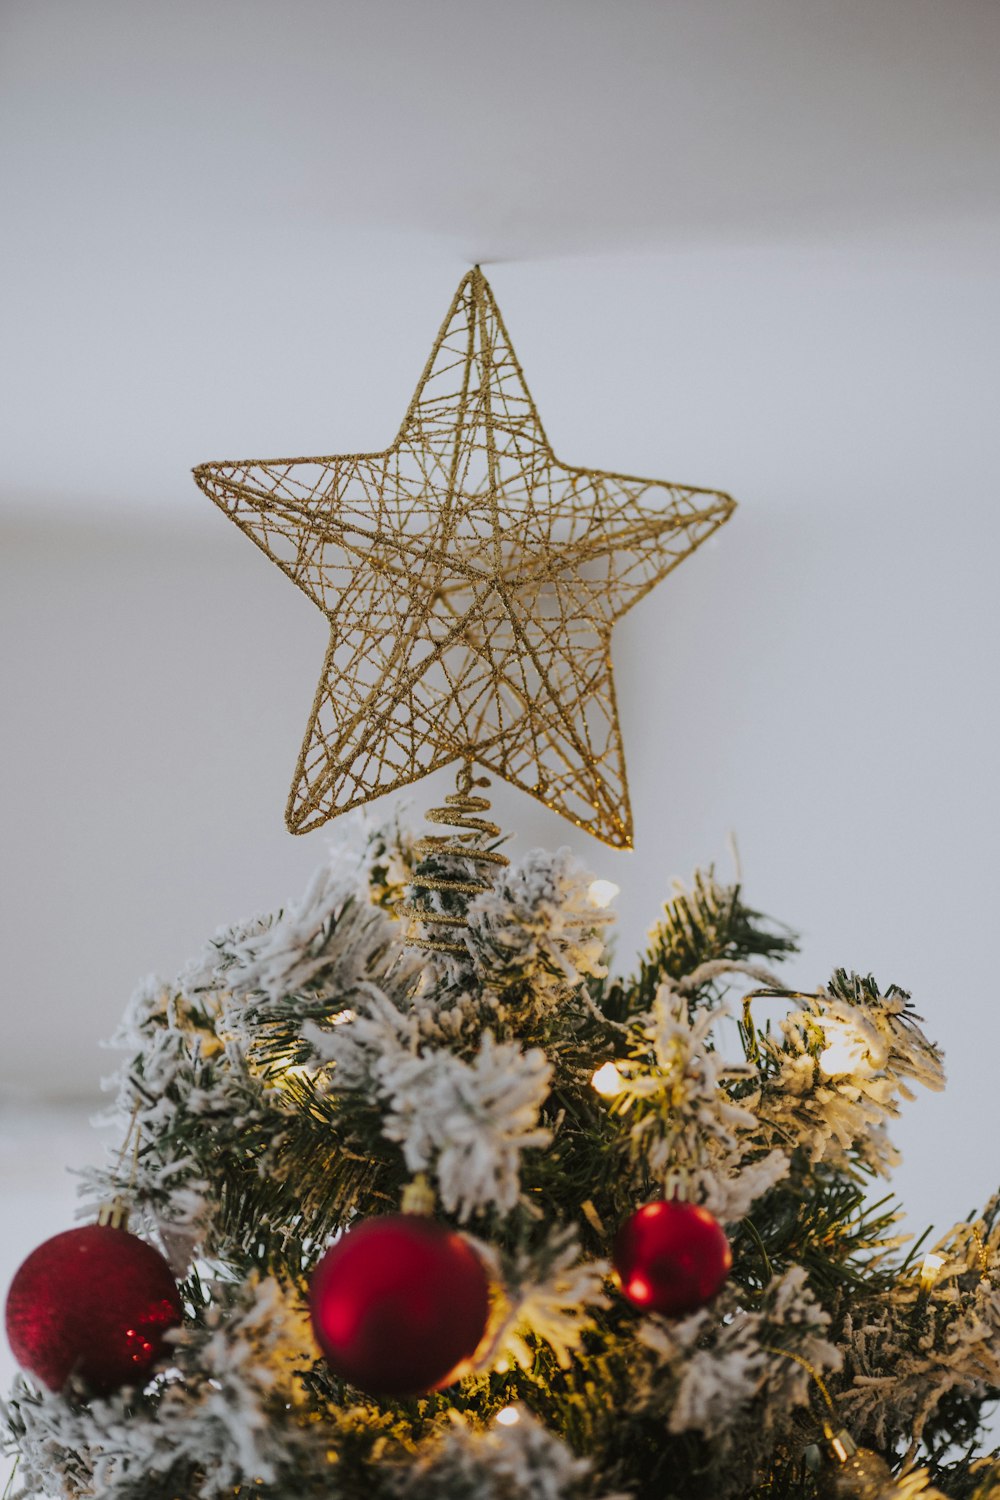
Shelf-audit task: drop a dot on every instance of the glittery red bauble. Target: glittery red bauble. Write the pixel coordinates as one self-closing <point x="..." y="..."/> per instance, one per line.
<point x="95" y="1303"/>
<point x="671" y="1257"/>
<point x="399" y="1305"/>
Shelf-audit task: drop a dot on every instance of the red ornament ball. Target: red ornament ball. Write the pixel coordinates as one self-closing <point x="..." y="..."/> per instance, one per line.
<point x="95" y="1303"/>
<point x="399" y="1305"/>
<point x="671" y="1257"/>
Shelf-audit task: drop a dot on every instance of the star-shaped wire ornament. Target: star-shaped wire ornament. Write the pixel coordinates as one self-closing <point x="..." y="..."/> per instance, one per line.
<point x="471" y="581"/>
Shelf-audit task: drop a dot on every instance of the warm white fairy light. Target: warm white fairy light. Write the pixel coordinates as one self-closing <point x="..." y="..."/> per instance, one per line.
<point x="608" y="1081"/>
<point x="298" y="1071"/>
<point x="508" y="1416"/>
<point x="929" y="1270"/>
<point x="602" y="892"/>
<point x="283" y="1070"/>
<point x="845" y="1051"/>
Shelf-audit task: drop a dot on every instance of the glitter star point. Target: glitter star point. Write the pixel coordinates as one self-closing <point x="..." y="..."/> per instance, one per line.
<point x="471" y="582"/>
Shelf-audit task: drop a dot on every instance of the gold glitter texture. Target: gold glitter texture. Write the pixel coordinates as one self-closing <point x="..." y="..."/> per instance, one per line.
<point x="471" y="581"/>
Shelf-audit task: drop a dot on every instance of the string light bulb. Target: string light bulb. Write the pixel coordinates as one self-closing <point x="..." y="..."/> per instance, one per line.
<point x="608" y="1081"/>
<point x="845" y="1051"/>
<point x="602" y="892"/>
<point x="929" y="1269"/>
<point x="508" y="1416"/>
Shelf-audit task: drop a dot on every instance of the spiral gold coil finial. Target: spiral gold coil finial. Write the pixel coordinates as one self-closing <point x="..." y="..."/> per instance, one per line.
<point x="441" y="886"/>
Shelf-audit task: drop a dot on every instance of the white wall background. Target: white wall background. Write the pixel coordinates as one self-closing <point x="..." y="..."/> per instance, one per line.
<point x="752" y="247"/>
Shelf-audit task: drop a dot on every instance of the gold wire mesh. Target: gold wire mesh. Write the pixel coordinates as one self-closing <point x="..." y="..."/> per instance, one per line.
<point x="471" y="582"/>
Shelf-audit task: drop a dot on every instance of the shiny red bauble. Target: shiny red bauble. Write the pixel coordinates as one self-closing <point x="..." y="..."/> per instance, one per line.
<point x="671" y="1257"/>
<point x="399" y="1305"/>
<point x="94" y="1303"/>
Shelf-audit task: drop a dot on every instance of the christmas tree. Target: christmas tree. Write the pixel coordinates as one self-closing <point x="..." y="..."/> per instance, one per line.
<point x="447" y="1207"/>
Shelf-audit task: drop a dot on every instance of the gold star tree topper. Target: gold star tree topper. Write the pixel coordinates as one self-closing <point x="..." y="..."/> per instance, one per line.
<point x="471" y="581"/>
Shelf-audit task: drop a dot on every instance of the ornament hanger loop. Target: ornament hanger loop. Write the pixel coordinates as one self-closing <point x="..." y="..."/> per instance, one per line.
<point x="114" y="1211"/>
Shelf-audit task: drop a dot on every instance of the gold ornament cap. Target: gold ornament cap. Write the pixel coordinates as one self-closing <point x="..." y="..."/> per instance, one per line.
<point x="857" y="1473"/>
<point x="418" y="1196"/>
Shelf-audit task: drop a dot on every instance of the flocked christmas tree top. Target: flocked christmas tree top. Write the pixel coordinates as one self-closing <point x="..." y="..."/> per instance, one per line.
<point x="416" y="1197"/>
<point x="309" y="1065"/>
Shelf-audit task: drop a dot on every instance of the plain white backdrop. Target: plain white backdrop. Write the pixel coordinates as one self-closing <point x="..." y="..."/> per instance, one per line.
<point x="750" y="247"/>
